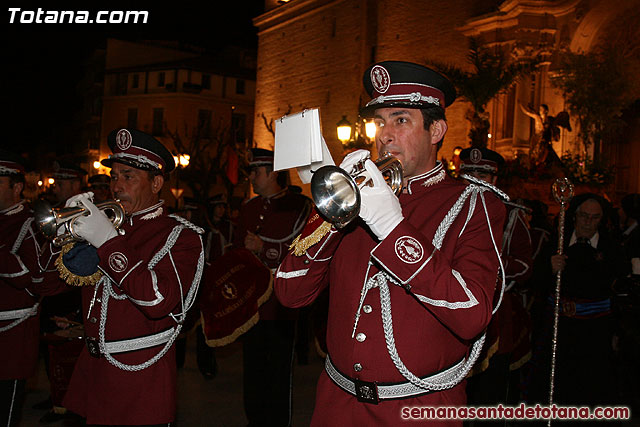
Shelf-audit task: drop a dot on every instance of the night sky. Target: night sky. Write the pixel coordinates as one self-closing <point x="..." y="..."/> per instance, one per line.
<point x="42" y="63"/>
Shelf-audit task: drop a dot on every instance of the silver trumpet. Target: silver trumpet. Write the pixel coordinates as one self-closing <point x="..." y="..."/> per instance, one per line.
<point x="336" y="193"/>
<point x="49" y="219"/>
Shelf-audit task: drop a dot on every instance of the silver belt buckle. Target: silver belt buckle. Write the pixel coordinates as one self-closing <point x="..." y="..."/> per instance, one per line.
<point x="93" y="347"/>
<point x="366" y="391"/>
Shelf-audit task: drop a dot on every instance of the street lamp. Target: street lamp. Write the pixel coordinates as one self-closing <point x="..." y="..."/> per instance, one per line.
<point x="352" y="137"/>
<point x="370" y="129"/>
<point x="181" y="161"/>
<point x="344" y="130"/>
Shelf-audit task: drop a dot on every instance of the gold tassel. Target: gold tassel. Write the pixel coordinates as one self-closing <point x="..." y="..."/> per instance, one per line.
<point x="74" y="279"/>
<point x="300" y="246"/>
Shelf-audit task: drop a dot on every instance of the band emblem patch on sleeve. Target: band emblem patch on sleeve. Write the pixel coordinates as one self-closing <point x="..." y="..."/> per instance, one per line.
<point x="118" y="262"/>
<point x="409" y="249"/>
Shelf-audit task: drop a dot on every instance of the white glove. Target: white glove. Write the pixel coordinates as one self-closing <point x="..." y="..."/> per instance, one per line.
<point x="351" y="159"/>
<point x="379" y="207"/>
<point x="95" y="228"/>
<point x="74" y="201"/>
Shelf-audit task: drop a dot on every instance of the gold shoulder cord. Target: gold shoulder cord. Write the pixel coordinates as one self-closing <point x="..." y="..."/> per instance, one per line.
<point x="300" y="246"/>
<point x="74" y="279"/>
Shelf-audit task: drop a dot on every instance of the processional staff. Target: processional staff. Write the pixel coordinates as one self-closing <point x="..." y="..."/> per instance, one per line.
<point x="562" y="190"/>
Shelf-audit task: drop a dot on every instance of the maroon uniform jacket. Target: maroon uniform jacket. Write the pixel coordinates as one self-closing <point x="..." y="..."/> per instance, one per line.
<point x="517" y="256"/>
<point x="452" y="271"/>
<point x="22" y="279"/>
<point x="509" y="330"/>
<point x="152" y="272"/>
<point x="277" y="220"/>
<point x="218" y="239"/>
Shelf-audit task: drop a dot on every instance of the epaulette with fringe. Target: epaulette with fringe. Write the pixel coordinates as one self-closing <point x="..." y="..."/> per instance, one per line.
<point x="313" y="232"/>
<point x="71" y="278"/>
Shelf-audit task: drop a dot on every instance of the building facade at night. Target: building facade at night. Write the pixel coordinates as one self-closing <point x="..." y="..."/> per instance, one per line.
<point x="167" y="91"/>
<point x="312" y="53"/>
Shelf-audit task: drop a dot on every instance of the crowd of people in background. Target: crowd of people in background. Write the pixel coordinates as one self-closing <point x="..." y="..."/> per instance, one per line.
<point x="156" y="297"/>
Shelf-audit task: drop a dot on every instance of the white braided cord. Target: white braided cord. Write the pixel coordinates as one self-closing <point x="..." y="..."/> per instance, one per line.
<point x="381" y="279"/>
<point x="187" y="223"/>
<point x="23" y="233"/>
<point x="32" y="312"/>
<point x="450" y="217"/>
<point x="368" y="284"/>
<point x="447" y="381"/>
<point x="14" y="249"/>
<point x="26" y="227"/>
<point x="472" y="209"/>
<point x="495" y="247"/>
<point x="484" y="183"/>
<point x="108" y="292"/>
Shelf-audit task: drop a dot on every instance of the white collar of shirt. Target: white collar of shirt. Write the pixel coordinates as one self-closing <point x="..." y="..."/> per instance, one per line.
<point x="593" y="240"/>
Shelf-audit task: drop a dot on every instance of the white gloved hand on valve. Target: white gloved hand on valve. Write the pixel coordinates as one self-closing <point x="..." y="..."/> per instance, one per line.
<point x="74" y="201"/>
<point x="353" y="158"/>
<point x="95" y="228"/>
<point x="379" y="207"/>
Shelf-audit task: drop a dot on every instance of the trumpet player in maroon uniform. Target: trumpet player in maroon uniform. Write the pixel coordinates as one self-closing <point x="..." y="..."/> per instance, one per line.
<point x="25" y="274"/>
<point x="151" y="266"/>
<point x="412" y="280"/>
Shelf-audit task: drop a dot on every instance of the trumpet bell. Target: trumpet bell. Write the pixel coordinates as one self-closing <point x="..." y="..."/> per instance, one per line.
<point x="336" y="195"/>
<point x="50" y="219"/>
<point x="45" y="219"/>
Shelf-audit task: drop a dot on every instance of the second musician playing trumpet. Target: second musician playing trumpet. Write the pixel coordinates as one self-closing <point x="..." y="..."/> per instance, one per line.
<point x="411" y="284"/>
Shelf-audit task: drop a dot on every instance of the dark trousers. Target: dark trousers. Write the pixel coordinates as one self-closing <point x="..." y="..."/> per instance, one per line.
<point x="11" y="398"/>
<point x="206" y="355"/>
<point x="490" y="387"/>
<point x="267" y="361"/>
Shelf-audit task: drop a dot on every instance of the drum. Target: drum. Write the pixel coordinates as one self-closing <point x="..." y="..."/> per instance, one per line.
<point x="64" y="348"/>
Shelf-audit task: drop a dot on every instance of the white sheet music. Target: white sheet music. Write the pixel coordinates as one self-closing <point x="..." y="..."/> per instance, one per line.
<point x="299" y="144"/>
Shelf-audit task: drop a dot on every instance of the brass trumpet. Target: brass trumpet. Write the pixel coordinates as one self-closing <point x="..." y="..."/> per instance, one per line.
<point x="336" y="193"/>
<point x="49" y="219"/>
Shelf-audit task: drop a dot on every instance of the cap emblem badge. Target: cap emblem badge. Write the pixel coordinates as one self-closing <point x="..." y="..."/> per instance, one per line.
<point x="409" y="249"/>
<point x="380" y="79"/>
<point x="123" y="139"/>
<point x="475" y="155"/>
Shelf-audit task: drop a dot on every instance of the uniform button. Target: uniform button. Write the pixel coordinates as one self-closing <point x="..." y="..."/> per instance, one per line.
<point x="361" y="337"/>
<point x="93" y="319"/>
<point x="261" y="216"/>
<point x="357" y="367"/>
<point x="367" y="309"/>
<point x="306" y="261"/>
